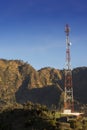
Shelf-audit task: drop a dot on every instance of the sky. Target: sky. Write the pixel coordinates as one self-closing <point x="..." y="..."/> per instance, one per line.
<point x="33" y="31"/>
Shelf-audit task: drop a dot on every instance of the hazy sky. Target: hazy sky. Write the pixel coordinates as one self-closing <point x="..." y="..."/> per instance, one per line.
<point x="33" y="31"/>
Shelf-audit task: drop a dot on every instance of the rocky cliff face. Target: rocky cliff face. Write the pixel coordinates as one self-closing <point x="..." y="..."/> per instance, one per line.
<point x="20" y="82"/>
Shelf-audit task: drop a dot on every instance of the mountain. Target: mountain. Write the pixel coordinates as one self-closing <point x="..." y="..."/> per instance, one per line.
<point x="80" y="84"/>
<point x="20" y="82"/>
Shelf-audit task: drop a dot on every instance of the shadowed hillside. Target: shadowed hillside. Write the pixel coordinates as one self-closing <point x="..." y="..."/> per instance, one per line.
<point x="20" y="82"/>
<point x="47" y="95"/>
<point x="80" y="84"/>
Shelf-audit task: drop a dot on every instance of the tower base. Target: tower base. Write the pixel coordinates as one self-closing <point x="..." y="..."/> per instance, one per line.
<point x="66" y="111"/>
<point x="69" y="112"/>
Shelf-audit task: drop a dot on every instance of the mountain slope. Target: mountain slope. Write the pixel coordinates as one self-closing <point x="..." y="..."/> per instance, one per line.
<point x="20" y="82"/>
<point x="80" y="84"/>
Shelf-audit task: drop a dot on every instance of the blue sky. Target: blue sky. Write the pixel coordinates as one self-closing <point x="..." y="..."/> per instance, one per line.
<point x="33" y="31"/>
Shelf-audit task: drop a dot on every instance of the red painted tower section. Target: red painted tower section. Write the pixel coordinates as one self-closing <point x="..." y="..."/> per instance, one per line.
<point x="68" y="92"/>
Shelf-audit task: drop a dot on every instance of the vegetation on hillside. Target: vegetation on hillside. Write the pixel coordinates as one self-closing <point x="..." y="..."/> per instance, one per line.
<point x="31" y="116"/>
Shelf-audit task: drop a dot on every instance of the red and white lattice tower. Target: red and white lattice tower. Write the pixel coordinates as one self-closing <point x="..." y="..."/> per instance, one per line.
<point x="68" y="92"/>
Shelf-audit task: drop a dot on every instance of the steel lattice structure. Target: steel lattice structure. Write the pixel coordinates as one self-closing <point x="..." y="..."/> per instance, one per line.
<point x="68" y="92"/>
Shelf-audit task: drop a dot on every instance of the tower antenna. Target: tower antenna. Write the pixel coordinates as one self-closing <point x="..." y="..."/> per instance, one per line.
<point x="68" y="88"/>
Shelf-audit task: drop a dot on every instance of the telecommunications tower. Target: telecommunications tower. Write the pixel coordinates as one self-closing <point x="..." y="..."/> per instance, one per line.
<point x="68" y="88"/>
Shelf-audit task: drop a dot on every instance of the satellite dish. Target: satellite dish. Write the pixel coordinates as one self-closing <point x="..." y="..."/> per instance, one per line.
<point x="70" y="43"/>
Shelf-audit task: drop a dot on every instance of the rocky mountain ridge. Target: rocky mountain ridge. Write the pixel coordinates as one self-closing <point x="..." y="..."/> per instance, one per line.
<point x="20" y="82"/>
